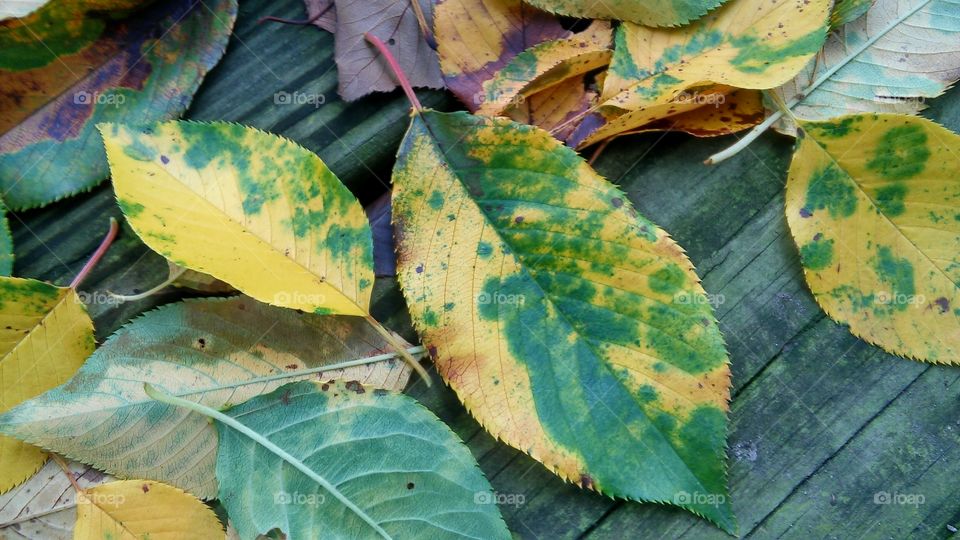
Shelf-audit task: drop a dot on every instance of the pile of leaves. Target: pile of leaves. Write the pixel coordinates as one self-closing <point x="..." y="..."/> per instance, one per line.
<point x="569" y="325"/>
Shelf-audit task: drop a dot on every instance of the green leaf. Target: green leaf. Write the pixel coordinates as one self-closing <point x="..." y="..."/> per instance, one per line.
<point x="573" y="328"/>
<point x="220" y="352"/>
<point x="64" y="70"/>
<point x="845" y="11"/>
<point x="6" y="244"/>
<point x="648" y="12"/>
<point x="352" y="462"/>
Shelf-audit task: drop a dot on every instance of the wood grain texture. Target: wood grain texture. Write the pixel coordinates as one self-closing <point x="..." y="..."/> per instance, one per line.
<point x="821" y="421"/>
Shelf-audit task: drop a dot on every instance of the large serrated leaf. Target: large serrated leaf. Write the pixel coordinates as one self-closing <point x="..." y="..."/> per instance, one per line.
<point x="352" y="462"/>
<point x="69" y="66"/>
<point x="573" y="328"/>
<point x="872" y="202"/>
<point x="900" y="54"/>
<point x="221" y="352"/>
<point x="45" y="335"/>
<point x="247" y="207"/>
<point x="648" y="12"/>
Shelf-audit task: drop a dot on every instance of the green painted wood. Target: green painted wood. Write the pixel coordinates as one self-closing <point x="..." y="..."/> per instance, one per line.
<point x="821" y="422"/>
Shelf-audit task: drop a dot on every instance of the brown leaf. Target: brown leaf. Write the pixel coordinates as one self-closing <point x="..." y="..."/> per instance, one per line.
<point x="361" y="69"/>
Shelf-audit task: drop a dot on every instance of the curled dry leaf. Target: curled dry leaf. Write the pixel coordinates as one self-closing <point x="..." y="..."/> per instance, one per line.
<point x="648" y="12"/>
<point x="872" y="202"/>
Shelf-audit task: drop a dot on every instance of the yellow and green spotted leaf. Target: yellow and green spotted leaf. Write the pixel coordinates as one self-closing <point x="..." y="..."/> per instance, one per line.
<point x="247" y="207"/>
<point x="71" y="65"/>
<point x="45" y="335"/>
<point x="873" y="202"/>
<point x="573" y="328"/>
<point x="647" y="12"/>
<point x="751" y="44"/>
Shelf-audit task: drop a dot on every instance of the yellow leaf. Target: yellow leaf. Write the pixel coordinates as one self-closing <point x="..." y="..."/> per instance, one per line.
<point x="554" y="107"/>
<point x="872" y="202"/>
<point x="751" y="44"/>
<point x="143" y="509"/>
<point x="45" y="335"/>
<point x="249" y="208"/>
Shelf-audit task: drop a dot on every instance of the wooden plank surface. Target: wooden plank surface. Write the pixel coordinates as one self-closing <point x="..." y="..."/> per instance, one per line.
<point x="820" y="423"/>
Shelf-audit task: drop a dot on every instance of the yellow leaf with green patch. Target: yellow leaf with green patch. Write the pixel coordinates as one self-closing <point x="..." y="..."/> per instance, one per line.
<point x="750" y="44"/>
<point x="573" y="328"/>
<point x="249" y="208"/>
<point x="649" y="12"/>
<point x="45" y="335"/>
<point x="872" y="202"/>
<point x="143" y="510"/>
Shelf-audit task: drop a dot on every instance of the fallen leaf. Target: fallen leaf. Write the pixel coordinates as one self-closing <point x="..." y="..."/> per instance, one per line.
<point x="323" y="14"/>
<point x="143" y="509"/>
<point x="250" y="208"/>
<point x="900" y="54"/>
<point x="750" y="44"/>
<point x="648" y="12"/>
<point x="872" y="205"/>
<point x="570" y="326"/>
<point x="547" y="65"/>
<point x="555" y="107"/>
<point x="45" y="335"/>
<point x="62" y="72"/>
<point x="45" y="506"/>
<point x="20" y="8"/>
<point x="351" y="461"/>
<point x="394" y="21"/>
<point x="476" y="39"/>
<point x="220" y="351"/>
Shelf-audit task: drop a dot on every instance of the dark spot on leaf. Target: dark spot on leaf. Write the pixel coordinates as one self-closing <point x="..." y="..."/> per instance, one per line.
<point x="145" y="488"/>
<point x="617" y="202"/>
<point x="355" y="386"/>
<point x="943" y="304"/>
<point x="410" y="485"/>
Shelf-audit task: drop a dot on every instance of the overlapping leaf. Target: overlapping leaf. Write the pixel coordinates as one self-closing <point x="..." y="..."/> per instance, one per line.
<point x="476" y="39"/>
<point x="872" y="202"/>
<point x="46" y="505"/>
<point x="63" y="70"/>
<point x="573" y="328"/>
<point x="845" y="11"/>
<point x="648" y="12"/>
<point x="751" y="44"/>
<point x="900" y="54"/>
<point x="45" y="335"/>
<point x="250" y="208"/>
<point x="353" y="463"/>
<point x="360" y="70"/>
<point x="6" y="245"/>
<point x="222" y="352"/>
<point x="143" y="509"/>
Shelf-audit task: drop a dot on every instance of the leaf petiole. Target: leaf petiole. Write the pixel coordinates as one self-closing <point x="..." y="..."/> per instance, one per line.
<point x="397" y="71"/>
<point x="97" y="255"/>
